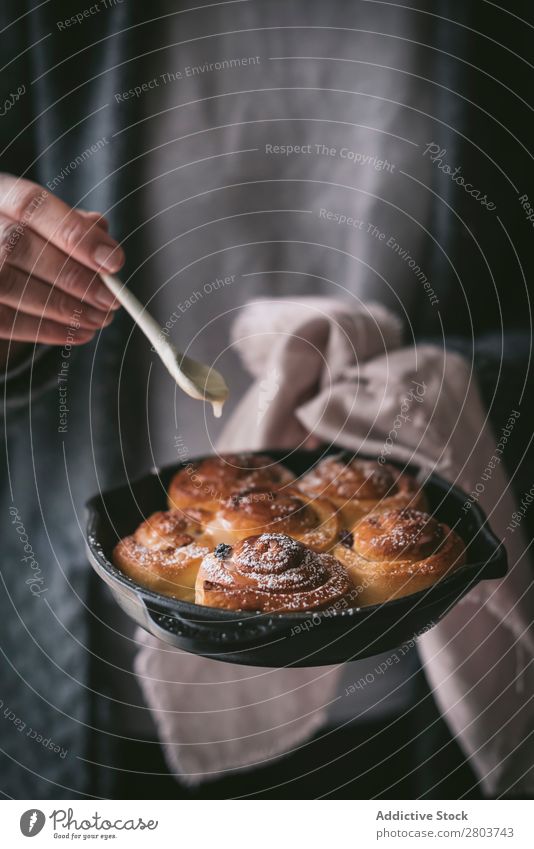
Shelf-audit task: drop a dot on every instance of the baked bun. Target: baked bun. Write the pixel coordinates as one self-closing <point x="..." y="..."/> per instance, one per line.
<point x="209" y="481"/>
<point x="270" y="572"/>
<point x="313" y="522"/>
<point x="164" y="554"/>
<point x="398" y="552"/>
<point x="355" y="487"/>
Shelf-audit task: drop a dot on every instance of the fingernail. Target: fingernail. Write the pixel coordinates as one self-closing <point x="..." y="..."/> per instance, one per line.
<point x="108" y="257"/>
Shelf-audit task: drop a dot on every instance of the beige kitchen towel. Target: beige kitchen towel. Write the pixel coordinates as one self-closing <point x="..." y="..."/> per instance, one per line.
<point x="215" y="718"/>
<point x="336" y="370"/>
<point x="422" y="404"/>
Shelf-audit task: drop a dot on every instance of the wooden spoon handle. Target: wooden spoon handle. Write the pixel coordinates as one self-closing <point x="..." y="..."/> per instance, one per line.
<point x="152" y="330"/>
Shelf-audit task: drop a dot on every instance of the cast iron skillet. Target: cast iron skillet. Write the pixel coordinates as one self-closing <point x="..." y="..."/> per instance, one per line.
<point x="287" y="639"/>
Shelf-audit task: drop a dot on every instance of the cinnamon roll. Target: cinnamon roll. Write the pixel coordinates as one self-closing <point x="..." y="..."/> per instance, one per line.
<point x="164" y="553"/>
<point x="209" y="481"/>
<point x="356" y="487"/>
<point x="271" y="572"/>
<point x="312" y="521"/>
<point x="398" y="552"/>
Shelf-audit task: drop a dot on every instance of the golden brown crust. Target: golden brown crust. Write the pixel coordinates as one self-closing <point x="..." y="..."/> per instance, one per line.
<point x="207" y="482"/>
<point x="358" y="487"/>
<point x="164" y="554"/>
<point x="281" y="537"/>
<point x="399" y="552"/>
<point x="271" y="572"/>
<point x="312" y="521"/>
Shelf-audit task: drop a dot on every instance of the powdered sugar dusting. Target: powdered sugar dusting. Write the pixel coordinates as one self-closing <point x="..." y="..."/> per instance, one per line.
<point x="360" y="479"/>
<point x="274" y="571"/>
<point x="398" y="533"/>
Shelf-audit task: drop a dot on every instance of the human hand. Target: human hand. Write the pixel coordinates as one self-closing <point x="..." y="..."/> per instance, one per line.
<point x="49" y="258"/>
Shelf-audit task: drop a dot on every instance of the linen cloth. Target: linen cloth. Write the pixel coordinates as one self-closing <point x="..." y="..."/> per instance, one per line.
<point x="214" y="717"/>
<point x="337" y="371"/>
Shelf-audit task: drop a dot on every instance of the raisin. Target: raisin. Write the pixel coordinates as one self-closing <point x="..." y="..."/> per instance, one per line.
<point x="346" y="538"/>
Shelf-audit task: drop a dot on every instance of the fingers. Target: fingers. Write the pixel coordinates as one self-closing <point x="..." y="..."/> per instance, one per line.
<point x="66" y="248"/>
<point x="33" y="297"/>
<point x="73" y="232"/>
<point x="27" y="251"/>
<point x="95" y="218"/>
<point x="20" y="327"/>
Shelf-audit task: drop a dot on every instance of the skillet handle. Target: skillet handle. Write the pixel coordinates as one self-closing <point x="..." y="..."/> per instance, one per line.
<point x="497" y="564"/>
<point x="213" y="636"/>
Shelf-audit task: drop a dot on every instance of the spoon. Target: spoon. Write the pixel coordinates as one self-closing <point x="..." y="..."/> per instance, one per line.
<point x="196" y="379"/>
